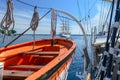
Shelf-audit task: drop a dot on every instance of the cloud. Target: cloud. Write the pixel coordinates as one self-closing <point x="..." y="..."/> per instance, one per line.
<point x="23" y="15"/>
<point x="95" y="21"/>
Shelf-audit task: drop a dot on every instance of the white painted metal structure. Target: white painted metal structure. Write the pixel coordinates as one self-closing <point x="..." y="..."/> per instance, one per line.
<point x="84" y="34"/>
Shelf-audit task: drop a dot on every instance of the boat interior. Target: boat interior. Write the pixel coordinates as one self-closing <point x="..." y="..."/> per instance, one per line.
<point x="22" y="63"/>
<point x="26" y="63"/>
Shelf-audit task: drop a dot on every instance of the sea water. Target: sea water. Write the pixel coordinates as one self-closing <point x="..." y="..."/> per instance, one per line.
<point x="77" y="64"/>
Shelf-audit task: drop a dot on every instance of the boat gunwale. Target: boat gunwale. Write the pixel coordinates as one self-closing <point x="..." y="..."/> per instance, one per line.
<point x="22" y="44"/>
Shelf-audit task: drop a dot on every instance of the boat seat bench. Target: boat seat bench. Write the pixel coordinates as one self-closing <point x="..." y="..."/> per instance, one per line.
<point x="45" y="52"/>
<point x="15" y="74"/>
<point x="25" y="67"/>
<point x="38" y="56"/>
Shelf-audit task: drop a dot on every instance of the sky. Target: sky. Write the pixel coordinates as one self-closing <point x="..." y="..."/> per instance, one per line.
<point x="80" y="9"/>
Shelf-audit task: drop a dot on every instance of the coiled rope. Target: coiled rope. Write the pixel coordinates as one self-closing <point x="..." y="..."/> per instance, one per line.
<point x="34" y="23"/>
<point x="8" y="19"/>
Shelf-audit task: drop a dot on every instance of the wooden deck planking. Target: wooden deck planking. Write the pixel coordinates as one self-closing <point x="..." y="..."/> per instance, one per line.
<point x="25" y="66"/>
<point x="41" y="52"/>
<point x="37" y="56"/>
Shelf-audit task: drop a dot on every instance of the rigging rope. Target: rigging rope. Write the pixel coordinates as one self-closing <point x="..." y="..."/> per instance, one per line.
<point x="105" y="22"/>
<point x="90" y="9"/>
<point x="100" y="17"/>
<point x="34" y="23"/>
<point x="103" y="14"/>
<point x="31" y="5"/>
<point x="79" y="12"/>
<point x="8" y="19"/>
<point x="103" y="61"/>
<point x="35" y="20"/>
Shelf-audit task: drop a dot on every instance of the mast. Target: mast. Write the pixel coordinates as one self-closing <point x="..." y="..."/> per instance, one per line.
<point x="111" y="51"/>
<point x="106" y="47"/>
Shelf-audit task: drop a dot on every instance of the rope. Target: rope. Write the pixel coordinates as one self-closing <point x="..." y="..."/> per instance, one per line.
<point x="106" y="18"/>
<point x="8" y="19"/>
<point x="34" y="23"/>
<point x="79" y="12"/>
<point x="103" y="14"/>
<point x="53" y="25"/>
<point x="33" y="39"/>
<point x="35" y="20"/>
<point x="31" y="5"/>
<point x="100" y="17"/>
<point x="92" y="6"/>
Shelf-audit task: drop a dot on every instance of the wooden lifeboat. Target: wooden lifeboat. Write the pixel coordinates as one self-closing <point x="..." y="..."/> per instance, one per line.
<point x="44" y="62"/>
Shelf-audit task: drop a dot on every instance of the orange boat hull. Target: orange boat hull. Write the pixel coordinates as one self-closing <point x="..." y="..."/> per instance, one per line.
<point x="41" y="62"/>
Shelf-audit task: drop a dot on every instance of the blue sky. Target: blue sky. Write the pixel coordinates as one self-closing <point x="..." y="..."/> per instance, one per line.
<point x="23" y="13"/>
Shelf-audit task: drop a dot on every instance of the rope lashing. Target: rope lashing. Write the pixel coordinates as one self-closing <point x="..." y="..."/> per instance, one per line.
<point x="35" y="20"/>
<point x="53" y="23"/>
<point x="34" y="23"/>
<point x="8" y="18"/>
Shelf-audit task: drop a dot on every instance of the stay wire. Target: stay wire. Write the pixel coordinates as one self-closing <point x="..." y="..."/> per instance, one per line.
<point x="103" y="13"/>
<point x="107" y="16"/>
<point x="31" y="5"/>
<point x="92" y="6"/>
<point x="90" y="9"/>
<point x="100" y="17"/>
<point x="79" y="11"/>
